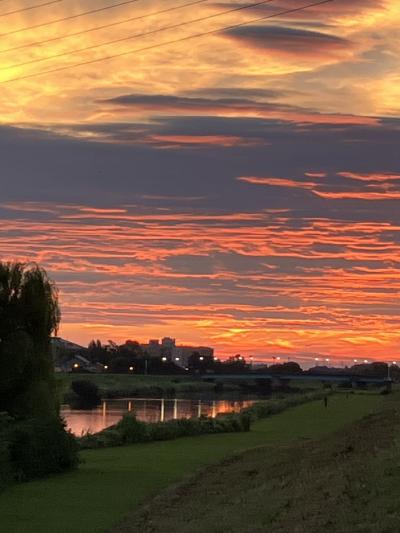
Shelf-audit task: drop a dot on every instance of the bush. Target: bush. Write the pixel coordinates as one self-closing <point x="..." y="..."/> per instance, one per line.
<point x="38" y="447"/>
<point x="267" y="408"/>
<point x="129" y="430"/>
<point x="5" y="465"/>
<point x="85" y="394"/>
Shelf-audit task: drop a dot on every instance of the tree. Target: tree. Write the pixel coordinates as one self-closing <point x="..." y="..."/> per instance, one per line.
<point x="86" y="394"/>
<point x="290" y="367"/>
<point x="97" y="353"/>
<point x="235" y="364"/>
<point x="29" y="314"/>
<point x="198" y="363"/>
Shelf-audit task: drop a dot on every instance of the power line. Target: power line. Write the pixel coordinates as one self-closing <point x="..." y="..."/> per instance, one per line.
<point x="166" y="43"/>
<point x="136" y="36"/>
<point x="103" y="27"/>
<point x="29" y="8"/>
<point x="69" y="17"/>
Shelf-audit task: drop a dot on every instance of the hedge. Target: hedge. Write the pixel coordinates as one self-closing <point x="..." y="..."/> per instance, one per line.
<point x="129" y="430"/>
<point x="34" y="448"/>
<point x="267" y="408"/>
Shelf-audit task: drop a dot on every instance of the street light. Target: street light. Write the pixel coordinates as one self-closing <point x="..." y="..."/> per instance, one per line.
<point x="76" y="365"/>
<point x="131" y="369"/>
<point x="201" y="358"/>
<point x="105" y="367"/>
<point x="388" y="369"/>
<point x="164" y="359"/>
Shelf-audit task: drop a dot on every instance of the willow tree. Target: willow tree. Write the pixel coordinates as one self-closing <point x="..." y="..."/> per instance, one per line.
<point x="29" y="314"/>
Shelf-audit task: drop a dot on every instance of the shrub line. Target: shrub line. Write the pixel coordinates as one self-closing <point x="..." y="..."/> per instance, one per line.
<point x="129" y="430"/>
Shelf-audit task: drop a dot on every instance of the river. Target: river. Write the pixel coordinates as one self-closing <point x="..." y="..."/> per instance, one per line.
<point x="147" y="410"/>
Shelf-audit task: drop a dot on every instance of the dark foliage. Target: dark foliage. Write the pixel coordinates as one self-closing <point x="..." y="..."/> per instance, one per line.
<point x="34" y="448"/>
<point x="29" y="314"/>
<point x="33" y="440"/>
<point x="5" y="465"/>
<point x="130" y="430"/>
<point x="85" y="394"/>
<point x="267" y="408"/>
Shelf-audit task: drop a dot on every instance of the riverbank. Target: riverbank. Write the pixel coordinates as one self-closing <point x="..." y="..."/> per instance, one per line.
<point x="347" y="482"/>
<point x="113" y="386"/>
<point x="130" y="386"/>
<point x="112" y="482"/>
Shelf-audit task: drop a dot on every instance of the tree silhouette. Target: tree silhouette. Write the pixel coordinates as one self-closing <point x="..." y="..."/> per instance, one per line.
<point x="29" y="314"/>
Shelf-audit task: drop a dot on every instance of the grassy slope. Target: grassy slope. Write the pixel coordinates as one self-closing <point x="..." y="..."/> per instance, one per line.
<point x="349" y="482"/>
<point x="111" y="482"/>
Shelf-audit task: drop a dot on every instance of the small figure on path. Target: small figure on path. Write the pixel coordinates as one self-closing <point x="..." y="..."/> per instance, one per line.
<point x="326" y="401"/>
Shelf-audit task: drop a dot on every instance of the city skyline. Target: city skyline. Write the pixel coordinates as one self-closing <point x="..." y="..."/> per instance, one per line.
<point x="239" y="189"/>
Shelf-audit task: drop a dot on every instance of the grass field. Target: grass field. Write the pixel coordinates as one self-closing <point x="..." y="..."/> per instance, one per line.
<point x="348" y="482"/>
<point x="112" y="482"/>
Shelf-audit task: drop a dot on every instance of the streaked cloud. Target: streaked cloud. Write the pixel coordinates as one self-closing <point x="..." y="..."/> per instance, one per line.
<point x="240" y="190"/>
<point x="299" y="44"/>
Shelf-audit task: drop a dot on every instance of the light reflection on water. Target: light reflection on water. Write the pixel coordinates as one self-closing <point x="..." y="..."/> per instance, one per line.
<point x="147" y="410"/>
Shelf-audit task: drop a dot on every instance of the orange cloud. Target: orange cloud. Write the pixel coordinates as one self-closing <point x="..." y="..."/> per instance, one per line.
<point x="126" y="275"/>
<point x="379" y="186"/>
<point x="277" y="182"/>
<point x="226" y="141"/>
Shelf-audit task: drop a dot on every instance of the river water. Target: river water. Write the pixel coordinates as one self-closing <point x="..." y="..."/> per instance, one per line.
<point x="147" y="410"/>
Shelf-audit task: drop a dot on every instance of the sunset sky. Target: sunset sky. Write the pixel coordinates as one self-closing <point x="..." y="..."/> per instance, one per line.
<point x="240" y="189"/>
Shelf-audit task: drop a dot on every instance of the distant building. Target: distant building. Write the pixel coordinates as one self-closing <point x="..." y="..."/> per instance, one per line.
<point x="59" y="344"/>
<point x="177" y="354"/>
<point x="183" y="353"/>
<point x="67" y="356"/>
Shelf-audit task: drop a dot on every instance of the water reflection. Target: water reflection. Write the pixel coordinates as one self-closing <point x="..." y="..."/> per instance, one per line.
<point x="147" y="410"/>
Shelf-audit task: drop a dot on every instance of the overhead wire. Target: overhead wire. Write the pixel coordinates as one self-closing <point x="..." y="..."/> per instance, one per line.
<point x="165" y="43"/>
<point x="68" y="17"/>
<point x="30" y="8"/>
<point x="102" y="27"/>
<point x="137" y="35"/>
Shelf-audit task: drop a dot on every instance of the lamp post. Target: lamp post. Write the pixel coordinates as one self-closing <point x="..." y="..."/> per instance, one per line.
<point x="388" y="369"/>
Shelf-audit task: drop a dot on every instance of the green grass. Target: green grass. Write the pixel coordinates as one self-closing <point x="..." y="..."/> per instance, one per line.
<point x="341" y="483"/>
<point x="114" y="481"/>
